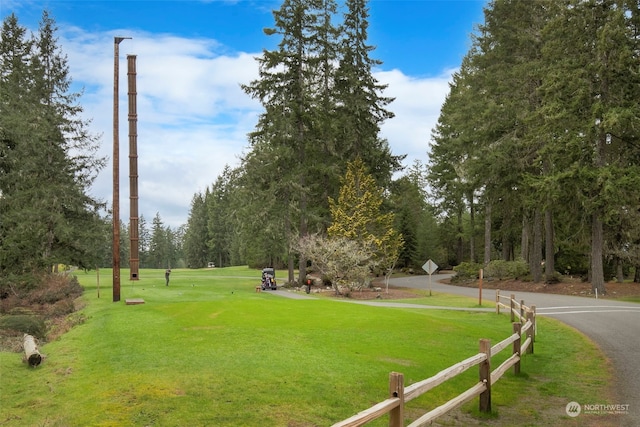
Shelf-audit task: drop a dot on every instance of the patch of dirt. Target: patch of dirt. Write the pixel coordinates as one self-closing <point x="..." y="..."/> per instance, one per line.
<point x="372" y="294"/>
<point x="569" y="286"/>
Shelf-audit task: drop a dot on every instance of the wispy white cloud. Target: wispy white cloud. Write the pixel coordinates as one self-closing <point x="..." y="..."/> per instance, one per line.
<point x="416" y="107"/>
<point x="194" y="117"/>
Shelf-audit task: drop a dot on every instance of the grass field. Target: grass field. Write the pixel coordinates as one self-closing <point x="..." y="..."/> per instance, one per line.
<point x="210" y="351"/>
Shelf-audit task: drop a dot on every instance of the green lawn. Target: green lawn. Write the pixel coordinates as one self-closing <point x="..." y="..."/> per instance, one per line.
<point x="210" y="351"/>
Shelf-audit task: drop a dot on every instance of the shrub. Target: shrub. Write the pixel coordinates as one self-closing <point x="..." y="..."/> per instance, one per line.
<point x="467" y="271"/>
<point x="518" y="268"/>
<point x="571" y="260"/>
<point x="28" y="305"/>
<point x="497" y="269"/>
<point x="500" y="269"/>
<point x="61" y="308"/>
<point x="60" y="325"/>
<point x="555" y="278"/>
<point x="56" y="288"/>
<point x="24" y="324"/>
<point x="326" y="282"/>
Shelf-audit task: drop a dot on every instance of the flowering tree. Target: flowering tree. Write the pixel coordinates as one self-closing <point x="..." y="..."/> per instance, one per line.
<point x="345" y="262"/>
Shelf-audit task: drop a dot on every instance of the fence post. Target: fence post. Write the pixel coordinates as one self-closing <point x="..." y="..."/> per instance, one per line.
<point x="521" y="309"/>
<point x="535" y="324"/>
<point x="485" y="376"/>
<point x="396" y="389"/>
<point x="530" y="333"/>
<point x="512" y="304"/>
<point x="497" y="301"/>
<point x="517" y="329"/>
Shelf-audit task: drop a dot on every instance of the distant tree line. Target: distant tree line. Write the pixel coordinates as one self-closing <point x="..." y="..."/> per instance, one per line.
<point x="159" y="245"/>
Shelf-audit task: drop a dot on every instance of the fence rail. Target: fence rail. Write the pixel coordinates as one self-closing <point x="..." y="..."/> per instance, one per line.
<point x="399" y="395"/>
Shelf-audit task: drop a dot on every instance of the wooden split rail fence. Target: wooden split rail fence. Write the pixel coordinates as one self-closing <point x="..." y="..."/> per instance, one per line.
<point x="399" y="394"/>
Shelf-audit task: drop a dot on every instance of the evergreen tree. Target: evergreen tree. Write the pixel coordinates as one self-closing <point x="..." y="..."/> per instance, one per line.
<point x="593" y="115"/>
<point x="414" y="217"/>
<point x="48" y="158"/>
<point x="124" y="244"/>
<point x="357" y="215"/>
<point x="310" y="127"/>
<point x="160" y="248"/>
<point x="286" y="89"/>
<point x="15" y="106"/>
<point x="195" y="241"/>
<point x="144" y="242"/>
<point x="360" y="105"/>
<point x="508" y="71"/>
<point x="220" y="226"/>
<point x="544" y="111"/>
<point x="15" y="54"/>
<point x="454" y="153"/>
<point x="263" y="209"/>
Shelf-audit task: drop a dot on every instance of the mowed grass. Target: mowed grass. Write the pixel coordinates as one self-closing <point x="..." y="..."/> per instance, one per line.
<point x="209" y="351"/>
<point x="439" y="299"/>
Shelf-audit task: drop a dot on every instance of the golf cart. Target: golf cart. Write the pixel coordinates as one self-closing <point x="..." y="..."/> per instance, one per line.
<point x="269" y="279"/>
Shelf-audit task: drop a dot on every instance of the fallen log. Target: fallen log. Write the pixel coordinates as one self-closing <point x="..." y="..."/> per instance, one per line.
<point x="31" y="354"/>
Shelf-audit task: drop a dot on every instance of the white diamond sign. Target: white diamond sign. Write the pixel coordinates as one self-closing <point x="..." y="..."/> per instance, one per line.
<point x="430" y="267"/>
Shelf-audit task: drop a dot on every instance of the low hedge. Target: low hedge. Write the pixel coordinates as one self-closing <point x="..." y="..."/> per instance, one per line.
<point x="467" y="271"/>
<point x="501" y="270"/>
<point x="496" y="269"/>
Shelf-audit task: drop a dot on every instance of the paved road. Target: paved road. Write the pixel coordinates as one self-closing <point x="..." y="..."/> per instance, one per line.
<point x="614" y="326"/>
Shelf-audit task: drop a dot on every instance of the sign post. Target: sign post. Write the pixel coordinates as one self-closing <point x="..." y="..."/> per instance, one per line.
<point x="480" y="288"/>
<point x="430" y="267"/>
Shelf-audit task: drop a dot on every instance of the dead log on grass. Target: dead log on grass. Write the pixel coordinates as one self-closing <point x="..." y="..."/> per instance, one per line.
<point x="31" y="354"/>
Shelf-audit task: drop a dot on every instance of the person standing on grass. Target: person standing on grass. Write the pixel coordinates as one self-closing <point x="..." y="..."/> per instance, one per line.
<point x="166" y="275"/>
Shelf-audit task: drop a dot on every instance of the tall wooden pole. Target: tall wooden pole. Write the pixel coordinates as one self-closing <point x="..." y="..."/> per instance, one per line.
<point x="134" y="260"/>
<point x="116" y="172"/>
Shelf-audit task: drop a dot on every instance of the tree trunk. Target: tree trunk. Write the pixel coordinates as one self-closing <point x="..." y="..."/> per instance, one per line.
<point x="636" y="277"/>
<point x="535" y="259"/>
<point x="597" y="241"/>
<point x="487" y="234"/>
<point x="302" y="262"/>
<point x="507" y="249"/>
<point x="31" y="353"/>
<point x="524" y="241"/>
<point x="472" y="226"/>
<point x="288" y="231"/>
<point x="549" y="246"/>
<point x="619" y="270"/>
<point x="460" y="247"/>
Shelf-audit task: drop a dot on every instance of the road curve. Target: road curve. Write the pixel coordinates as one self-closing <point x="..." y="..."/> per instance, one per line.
<point x="614" y="326"/>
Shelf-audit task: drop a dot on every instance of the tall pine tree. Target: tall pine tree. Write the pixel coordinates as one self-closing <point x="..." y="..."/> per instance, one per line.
<point x="48" y="158"/>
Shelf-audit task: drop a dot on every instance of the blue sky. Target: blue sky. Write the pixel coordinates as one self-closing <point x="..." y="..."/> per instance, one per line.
<point x="192" y="57"/>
